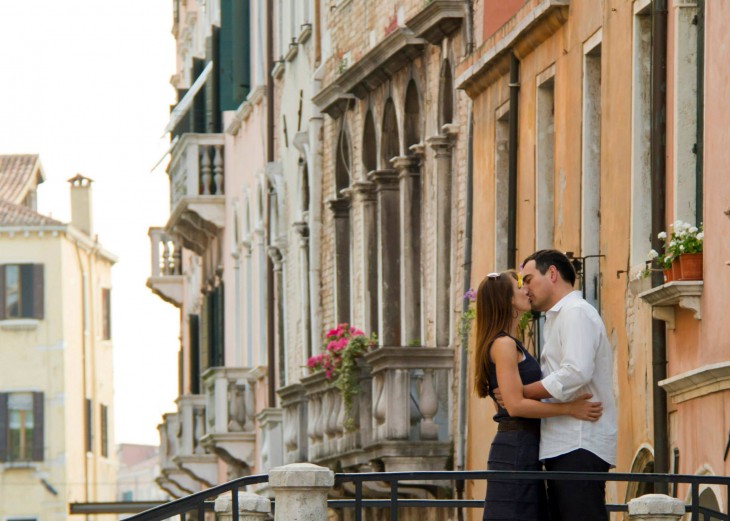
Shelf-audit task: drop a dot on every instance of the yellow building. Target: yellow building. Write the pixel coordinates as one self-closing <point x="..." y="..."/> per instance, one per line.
<point x="56" y="393"/>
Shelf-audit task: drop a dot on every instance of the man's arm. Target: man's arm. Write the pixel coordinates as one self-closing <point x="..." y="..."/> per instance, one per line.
<point x="535" y="391"/>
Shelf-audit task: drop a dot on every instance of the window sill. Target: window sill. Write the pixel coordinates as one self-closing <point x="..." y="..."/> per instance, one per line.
<point x="305" y="33"/>
<point x="292" y="52"/>
<point x="664" y="298"/>
<point x="19" y="324"/>
<point x="20" y="465"/>
<point x="278" y="69"/>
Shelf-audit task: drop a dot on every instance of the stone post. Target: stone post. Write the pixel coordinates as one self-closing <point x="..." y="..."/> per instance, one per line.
<point x="442" y="145"/>
<point x="251" y="507"/>
<point x="388" y="252"/>
<point x="409" y="175"/>
<point x="364" y="200"/>
<point x="300" y="491"/>
<point x="656" y="507"/>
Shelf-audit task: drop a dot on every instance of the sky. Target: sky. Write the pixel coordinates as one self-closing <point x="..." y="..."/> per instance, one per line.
<point x="85" y="84"/>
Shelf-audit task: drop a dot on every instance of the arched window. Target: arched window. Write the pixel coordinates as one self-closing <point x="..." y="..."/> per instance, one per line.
<point x="343" y="163"/>
<point x="304" y="187"/>
<point x="369" y="144"/>
<point x="390" y="144"/>
<point x="412" y="116"/>
<point x="446" y="95"/>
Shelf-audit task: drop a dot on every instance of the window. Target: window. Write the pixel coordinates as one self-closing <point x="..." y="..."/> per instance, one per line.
<point x="104" y="416"/>
<point x="127" y="495"/>
<point x="106" y="313"/>
<point x="545" y="160"/>
<point x="21" y="427"/>
<point x="501" y="189"/>
<point x="21" y="291"/>
<point x="88" y="415"/>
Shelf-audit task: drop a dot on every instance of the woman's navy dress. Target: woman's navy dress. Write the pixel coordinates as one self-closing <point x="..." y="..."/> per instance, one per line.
<point x="515" y="447"/>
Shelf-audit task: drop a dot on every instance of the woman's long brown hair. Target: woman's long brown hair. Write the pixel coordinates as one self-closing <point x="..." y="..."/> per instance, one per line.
<point x="494" y="315"/>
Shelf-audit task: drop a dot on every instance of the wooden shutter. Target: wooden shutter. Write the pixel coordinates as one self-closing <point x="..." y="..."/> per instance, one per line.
<point x="104" y="410"/>
<point x="2" y="291"/>
<point x="212" y="98"/>
<point x="106" y="313"/>
<point x="194" y="331"/>
<point x="3" y="426"/>
<point x="26" y="291"/>
<point x="38" y="291"/>
<point x="197" y="113"/>
<point x="38" y="427"/>
<point x="88" y="413"/>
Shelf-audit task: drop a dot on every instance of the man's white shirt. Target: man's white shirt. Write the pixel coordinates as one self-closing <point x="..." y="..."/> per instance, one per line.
<point x="576" y="359"/>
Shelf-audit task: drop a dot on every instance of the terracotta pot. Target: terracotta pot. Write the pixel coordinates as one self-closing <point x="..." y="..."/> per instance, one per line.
<point x="676" y="273"/>
<point x="690" y="266"/>
<point x="668" y="275"/>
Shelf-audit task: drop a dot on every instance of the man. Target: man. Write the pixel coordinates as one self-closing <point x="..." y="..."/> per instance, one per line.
<point x="575" y="359"/>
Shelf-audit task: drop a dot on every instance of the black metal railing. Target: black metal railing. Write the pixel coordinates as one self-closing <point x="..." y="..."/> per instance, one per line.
<point x="199" y="502"/>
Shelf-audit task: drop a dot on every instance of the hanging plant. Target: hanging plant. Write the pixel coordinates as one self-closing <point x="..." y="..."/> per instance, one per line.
<point x="341" y="349"/>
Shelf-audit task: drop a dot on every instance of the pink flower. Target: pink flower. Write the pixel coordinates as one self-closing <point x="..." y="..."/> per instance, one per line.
<point x="331" y="333"/>
<point x="356" y="332"/>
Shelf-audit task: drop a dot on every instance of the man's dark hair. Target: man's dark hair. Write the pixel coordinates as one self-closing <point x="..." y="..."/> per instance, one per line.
<point x="546" y="258"/>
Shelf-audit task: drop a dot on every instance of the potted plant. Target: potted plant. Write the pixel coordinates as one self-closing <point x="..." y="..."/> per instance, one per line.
<point x="342" y="348"/>
<point x="685" y="248"/>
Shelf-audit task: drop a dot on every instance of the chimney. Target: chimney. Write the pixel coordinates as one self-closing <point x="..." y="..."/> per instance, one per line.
<point x="81" y="203"/>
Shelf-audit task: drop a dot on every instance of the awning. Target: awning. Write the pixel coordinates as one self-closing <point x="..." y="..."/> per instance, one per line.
<point x="182" y="107"/>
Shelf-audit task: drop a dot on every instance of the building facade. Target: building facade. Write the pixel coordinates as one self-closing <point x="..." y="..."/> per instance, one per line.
<point x="573" y="151"/>
<point x="56" y="394"/>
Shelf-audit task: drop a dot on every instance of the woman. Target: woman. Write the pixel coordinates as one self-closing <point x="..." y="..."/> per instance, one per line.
<point x="502" y="361"/>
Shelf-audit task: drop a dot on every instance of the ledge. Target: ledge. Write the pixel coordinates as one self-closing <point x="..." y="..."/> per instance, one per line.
<point x="664" y="298"/>
<point x="698" y="382"/>
<point x="366" y="74"/>
<point x="292" y="52"/>
<point x="20" y="324"/>
<point x="437" y="20"/>
<point x="384" y="358"/>
<point x="168" y="287"/>
<point x="534" y="23"/>
<point x="278" y="70"/>
<point x="304" y="33"/>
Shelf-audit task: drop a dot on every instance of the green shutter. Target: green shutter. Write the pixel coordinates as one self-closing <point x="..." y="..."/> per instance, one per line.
<point x="27" y="290"/>
<point x="194" y="333"/>
<point x="212" y="98"/>
<point x="38" y="291"/>
<point x="3" y="426"/>
<point x="197" y="113"/>
<point x="38" y="427"/>
<point x="234" y="54"/>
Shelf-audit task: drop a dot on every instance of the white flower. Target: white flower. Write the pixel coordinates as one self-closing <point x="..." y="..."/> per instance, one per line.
<point x="662" y="236"/>
<point x="652" y="255"/>
<point x="693" y="229"/>
<point x="701" y="235"/>
<point x="681" y="247"/>
<point x="672" y="243"/>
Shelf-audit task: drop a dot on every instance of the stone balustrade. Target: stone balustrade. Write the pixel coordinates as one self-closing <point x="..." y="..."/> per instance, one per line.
<point x="196" y="167"/>
<point x="192" y="456"/>
<point x="230" y="415"/>
<point x="166" y="253"/>
<point x="400" y="414"/>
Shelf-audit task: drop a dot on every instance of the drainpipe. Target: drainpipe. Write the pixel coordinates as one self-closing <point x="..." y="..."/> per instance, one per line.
<point x="464" y="357"/>
<point x="514" y="92"/>
<point x="658" y="221"/>
<point x="84" y="333"/>
<point x="699" y="146"/>
<point x="270" y="337"/>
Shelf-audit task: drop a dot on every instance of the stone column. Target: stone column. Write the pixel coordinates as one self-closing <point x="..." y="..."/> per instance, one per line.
<point x="442" y="146"/>
<point x="303" y="231"/>
<point x="277" y="259"/>
<point x="388" y="252"/>
<point x="251" y="507"/>
<point x="409" y="176"/>
<point x="300" y="491"/>
<point x="364" y="197"/>
<point x="340" y="208"/>
<point x="656" y="507"/>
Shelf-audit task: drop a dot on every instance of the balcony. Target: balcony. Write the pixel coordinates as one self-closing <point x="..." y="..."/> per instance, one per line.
<point x="166" y="280"/>
<point x="172" y="479"/>
<point x="401" y="414"/>
<point x="197" y="190"/>
<point x="192" y="456"/>
<point x="230" y="409"/>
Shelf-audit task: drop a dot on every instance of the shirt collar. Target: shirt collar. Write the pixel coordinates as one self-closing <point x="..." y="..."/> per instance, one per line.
<point x="563" y="301"/>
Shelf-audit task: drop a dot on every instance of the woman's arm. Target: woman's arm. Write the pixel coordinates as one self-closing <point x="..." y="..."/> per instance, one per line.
<point x="506" y="356"/>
